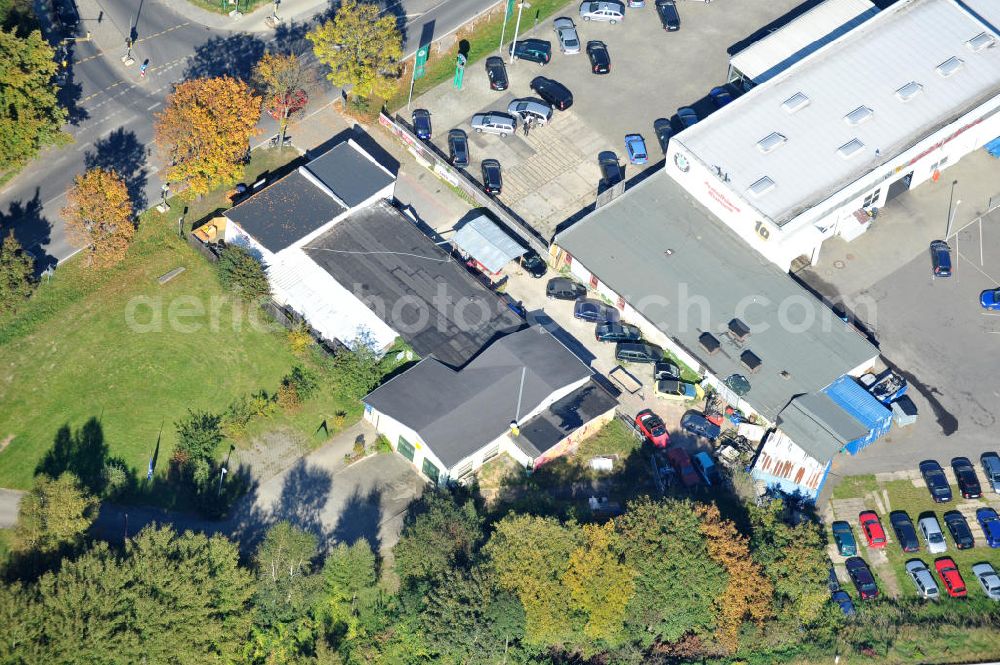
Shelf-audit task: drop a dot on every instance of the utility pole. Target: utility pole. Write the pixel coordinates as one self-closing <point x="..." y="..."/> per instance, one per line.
<point x="508" y="12"/>
<point x="517" y="26"/>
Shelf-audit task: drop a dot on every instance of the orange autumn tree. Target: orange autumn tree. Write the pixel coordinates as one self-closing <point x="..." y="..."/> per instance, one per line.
<point x="204" y="133"/>
<point x="99" y="216"/>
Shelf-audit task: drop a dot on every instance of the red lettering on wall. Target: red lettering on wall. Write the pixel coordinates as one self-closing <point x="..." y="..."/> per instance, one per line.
<point x="726" y="203"/>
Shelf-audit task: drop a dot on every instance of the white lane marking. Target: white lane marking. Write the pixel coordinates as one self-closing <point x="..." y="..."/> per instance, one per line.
<point x="150" y="108"/>
<point x="54" y="198"/>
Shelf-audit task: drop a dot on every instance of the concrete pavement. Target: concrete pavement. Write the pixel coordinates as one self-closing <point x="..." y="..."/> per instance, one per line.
<point x="10" y="501"/>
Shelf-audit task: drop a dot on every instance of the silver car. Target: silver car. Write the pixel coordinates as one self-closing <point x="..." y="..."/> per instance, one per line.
<point x="922" y="579"/>
<point x="931" y="531"/>
<point x="602" y="10"/>
<point x="539" y="112"/>
<point x="569" y="41"/>
<point x="494" y="122"/>
<point x="988" y="579"/>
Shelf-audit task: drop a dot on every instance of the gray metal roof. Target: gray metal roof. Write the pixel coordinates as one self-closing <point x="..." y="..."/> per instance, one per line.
<point x="709" y="277"/>
<point x="482" y="239"/>
<point x="819" y="425"/>
<point x="564" y="417"/>
<point x="457" y="412"/>
<point x="351" y="174"/>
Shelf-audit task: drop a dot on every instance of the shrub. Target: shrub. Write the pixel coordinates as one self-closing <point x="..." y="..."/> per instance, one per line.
<point x="237" y="416"/>
<point x="242" y="273"/>
<point x="303" y="381"/>
<point x="382" y="444"/>
<point x="339" y="419"/>
<point x="199" y="435"/>
<point x="262" y="404"/>
<point x="300" y="339"/>
<point x="117" y="477"/>
<point x="288" y="397"/>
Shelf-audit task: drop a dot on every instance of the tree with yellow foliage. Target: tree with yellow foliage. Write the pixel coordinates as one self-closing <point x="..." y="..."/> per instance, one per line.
<point x="600" y="582"/>
<point x="99" y="216"/>
<point x="284" y="83"/>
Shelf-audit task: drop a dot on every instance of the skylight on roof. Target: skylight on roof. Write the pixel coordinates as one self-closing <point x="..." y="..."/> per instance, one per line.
<point x="980" y="41"/>
<point x="858" y="116"/>
<point x="850" y="148"/>
<point x="950" y="66"/>
<point x="770" y="142"/>
<point x="795" y="103"/>
<point x="909" y="91"/>
<point x="762" y="186"/>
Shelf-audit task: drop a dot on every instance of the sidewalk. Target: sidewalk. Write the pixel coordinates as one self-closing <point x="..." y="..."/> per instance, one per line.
<point x="256" y="21"/>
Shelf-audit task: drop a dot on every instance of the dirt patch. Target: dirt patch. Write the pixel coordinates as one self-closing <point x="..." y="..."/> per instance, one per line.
<point x="6" y="442"/>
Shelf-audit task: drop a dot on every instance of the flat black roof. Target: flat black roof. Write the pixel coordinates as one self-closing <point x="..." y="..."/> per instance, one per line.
<point x="353" y="176"/>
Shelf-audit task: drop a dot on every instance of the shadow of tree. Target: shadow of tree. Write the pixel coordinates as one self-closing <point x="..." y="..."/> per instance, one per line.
<point x="31" y="228"/>
<point x="303" y="497"/>
<point x="82" y="453"/>
<point x="69" y="90"/>
<point x="122" y="152"/>
<point x="234" y="55"/>
<point x="360" y="519"/>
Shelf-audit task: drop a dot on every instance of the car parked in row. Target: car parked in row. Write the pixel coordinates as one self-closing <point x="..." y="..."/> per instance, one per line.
<point x="553" y="92"/>
<point x="526" y="108"/>
<point x="496" y="72"/>
<point x="609" y="11"/>
<point x="492" y="177"/>
<point x="940" y="259"/>
<point x="600" y="59"/>
<point x="595" y="311"/>
<point x="720" y="96"/>
<point x="871" y="526"/>
<point x="663" y="129"/>
<point x="959" y="529"/>
<point x="988" y="580"/>
<point x="615" y="331"/>
<point x="922" y="579"/>
<point x="563" y="288"/>
<point x="862" y="577"/>
<point x="532" y="50"/>
<point x="494" y="122"/>
<point x="933" y="536"/>
<point x="990" y="299"/>
<point x="990" y="463"/>
<point x="569" y="41"/>
<point x="936" y="481"/>
<point x="844" y="601"/>
<point x="671" y="389"/>
<point x="422" y="123"/>
<point x="951" y="577"/>
<point x="635" y="148"/>
<point x="652" y="427"/>
<point x="670" y="19"/>
<point x="699" y="425"/>
<point x="965" y="476"/>
<point x="687" y="116"/>
<point x="706" y="468"/>
<point x="534" y="264"/>
<point x="664" y="369"/>
<point x="637" y="352"/>
<point x="990" y="524"/>
<point x="611" y="169"/>
<point x="458" y="148"/>
<point x="906" y="534"/>
<point x="681" y="461"/>
<point x="843" y="537"/>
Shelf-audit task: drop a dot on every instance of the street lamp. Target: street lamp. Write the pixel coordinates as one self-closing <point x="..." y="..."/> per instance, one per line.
<point x="517" y="26"/>
<point x="951" y="219"/>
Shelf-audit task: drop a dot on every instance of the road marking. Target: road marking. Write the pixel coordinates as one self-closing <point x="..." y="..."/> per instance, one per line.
<point x="162" y="32"/>
<point x="54" y="198"/>
<point x="89" y="58"/>
<point x="150" y="108"/>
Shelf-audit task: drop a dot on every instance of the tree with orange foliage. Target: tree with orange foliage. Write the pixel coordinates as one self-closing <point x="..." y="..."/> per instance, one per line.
<point x="284" y="82"/>
<point x="99" y="216"/>
<point x="204" y="133"/>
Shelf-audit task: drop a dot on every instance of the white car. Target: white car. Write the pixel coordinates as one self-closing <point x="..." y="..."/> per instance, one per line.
<point x="922" y="579"/>
<point x="494" y="122"/>
<point x="602" y="10"/>
<point x="931" y="531"/>
<point x="988" y="579"/>
<point x="569" y="41"/>
<point x="539" y="112"/>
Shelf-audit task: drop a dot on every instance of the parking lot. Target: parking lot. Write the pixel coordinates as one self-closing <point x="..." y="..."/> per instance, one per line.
<point x="552" y="174"/>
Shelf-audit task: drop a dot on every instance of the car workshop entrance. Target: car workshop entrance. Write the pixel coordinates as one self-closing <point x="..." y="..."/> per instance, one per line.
<point x="898" y="187"/>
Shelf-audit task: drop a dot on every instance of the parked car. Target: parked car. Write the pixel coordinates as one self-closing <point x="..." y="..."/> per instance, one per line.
<point x="594" y="311"/>
<point x="940" y="259"/>
<point x="988" y="579"/>
<point x="843" y="536"/>
<point x="922" y="579"/>
<point x="959" y="530"/>
<point x="844" y="601"/>
<point x="933" y="536"/>
<point x="652" y="427"/>
<point x="422" y="123"/>
<point x="905" y="532"/>
<point x="682" y="391"/>
<point x="458" y="148"/>
<point x="636" y="4"/>
<point x="494" y="122"/>
<point x="563" y="288"/>
<point x="663" y="130"/>
<point x="602" y="10"/>
<point x="614" y="331"/>
<point x="937" y="482"/>
<point x="534" y="264"/>
<point x="965" y="475"/>
<point x="832" y="582"/>
<point x="990" y="463"/>
<point x="990" y="299"/>
<point x="687" y="116"/>
<point x="492" y="177"/>
<point x="538" y="111"/>
<point x="600" y="59"/>
<point x="720" y="96"/>
<point x="554" y="92"/>
<point x="635" y="147"/>
<point x="670" y="19"/>
<point x="948" y="572"/>
<point x="871" y="526"/>
<point x="707" y="469"/>
<point x="532" y="50"/>
<point x="990" y="523"/>
<point x="569" y="41"/>
<point x="496" y="72"/>
<point x="862" y="577"/>
<point x="697" y="424"/>
<point x="637" y="352"/>
<point x="611" y="169"/>
<point x="664" y="369"/>
<point x="681" y="461"/>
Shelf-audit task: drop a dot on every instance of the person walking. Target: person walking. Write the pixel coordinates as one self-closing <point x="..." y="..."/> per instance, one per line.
<point x="527" y="126"/>
<point x="142" y="69"/>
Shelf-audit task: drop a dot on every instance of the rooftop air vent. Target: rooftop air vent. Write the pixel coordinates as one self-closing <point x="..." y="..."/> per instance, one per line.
<point x="909" y="91"/>
<point x="950" y="66"/>
<point x="796" y="102"/>
<point x="738" y="330"/>
<point x="850" y="148"/>
<point x="709" y="342"/>
<point x="858" y="116"/>
<point x="750" y="360"/>
<point x="980" y="41"/>
<point x="762" y="186"/>
<point x="770" y="142"/>
<point x="785" y="374"/>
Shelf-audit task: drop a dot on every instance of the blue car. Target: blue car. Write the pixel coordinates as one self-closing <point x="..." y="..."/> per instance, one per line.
<point x="845" y="602"/>
<point x="720" y="97"/>
<point x="990" y="299"/>
<point x="422" y="123"/>
<point x="700" y="425"/>
<point x="990" y="522"/>
<point x="635" y="146"/>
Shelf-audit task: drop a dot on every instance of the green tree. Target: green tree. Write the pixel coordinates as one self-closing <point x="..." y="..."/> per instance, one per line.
<point x="199" y="435"/>
<point x="54" y="515"/>
<point x="16" y="271"/>
<point x="600" y="582"/>
<point x="361" y="48"/>
<point x="286" y="583"/>
<point x="440" y="533"/>
<point x="358" y="367"/>
<point x="242" y="273"/>
<point x="350" y="593"/>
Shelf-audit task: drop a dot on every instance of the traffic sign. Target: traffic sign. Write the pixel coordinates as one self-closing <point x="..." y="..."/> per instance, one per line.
<point x="420" y="62"/>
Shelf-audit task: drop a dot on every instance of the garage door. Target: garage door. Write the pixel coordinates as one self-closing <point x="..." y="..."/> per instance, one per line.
<point x="431" y="471"/>
<point x="405" y="448"/>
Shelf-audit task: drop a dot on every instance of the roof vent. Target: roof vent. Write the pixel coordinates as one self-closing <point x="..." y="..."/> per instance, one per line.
<point x="750" y="360"/>
<point x="858" y="116"/>
<point x="762" y="186"/>
<point x="850" y="148"/>
<point x="770" y="142"/>
<point x="738" y="330"/>
<point x="950" y="66"/>
<point x="709" y="342"/>
<point x="796" y="102"/>
<point x="981" y="41"/>
<point x="785" y="374"/>
<point x="909" y="91"/>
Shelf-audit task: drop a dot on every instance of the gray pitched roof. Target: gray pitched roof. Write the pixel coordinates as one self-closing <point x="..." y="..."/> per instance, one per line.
<point x="412" y="284"/>
<point x="457" y="412"/>
<point x="564" y="417"/>
<point x="349" y="173"/>
<point x="285" y="211"/>
<point x="687" y="273"/>
<point x="819" y="425"/>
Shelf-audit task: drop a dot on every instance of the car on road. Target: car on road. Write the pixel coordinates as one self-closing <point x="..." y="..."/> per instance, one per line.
<point x="563" y="288"/>
<point x="569" y="41"/>
<point x="990" y="463"/>
<point x="688" y="116"/>
<point x="422" y="123"/>
<point x="458" y="148"/>
<point x="492" y="177"/>
<point x="921" y="576"/>
<point x="611" y="168"/>
<point x="990" y="523"/>
<point x="706" y="468"/>
<point x="534" y="264"/>
<point x="526" y="108"/>
<point x="602" y="10"/>
<point x="496" y="72"/>
<point x="720" y="96"/>
<point x="494" y="122"/>
<point x="990" y="299"/>
<point x="652" y="427"/>
<point x="671" y="389"/>
<point x="594" y="311"/>
<point x="936" y="481"/>
<point x="664" y="369"/>
<point x="988" y="579"/>
<point x="959" y="529"/>
<point x="699" y="425"/>
<point x="600" y="59"/>
<point x="843" y="536"/>
<point x="670" y="19"/>
<point x="965" y="475"/>
<point x="871" y="526"/>
<point x="906" y="534"/>
<point x="940" y="259"/>
<point x="844" y="601"/>
<point x="663" y="130"/>
<point x="933" y="536"/>
<point x="553" y="92"/>
<point x="637" y="352"/>
<point x="862" y="577"/>
<point x="681" y="461"/>
<point x="948" y="572"/>
<point x="635" y="148"/>
<point x="614" y="331"/>
<point x="532" y="50"/>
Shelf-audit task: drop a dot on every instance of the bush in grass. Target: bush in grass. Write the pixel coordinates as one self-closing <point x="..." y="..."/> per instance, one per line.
<point x="198" y="437"/>
<point x="262" y="404"/>
<point x="382" y="444"/>
<point x="237" y="416"/>
<point x="242" y="273"/>
<point x="303" y="381"/>
<point x="300" y="339"/>
<point x="117" y="477"/>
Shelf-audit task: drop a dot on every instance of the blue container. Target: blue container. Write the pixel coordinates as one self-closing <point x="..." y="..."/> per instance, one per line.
<point x="862" y="405"/>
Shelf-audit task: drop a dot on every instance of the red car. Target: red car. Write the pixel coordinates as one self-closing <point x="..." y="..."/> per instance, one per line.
<point x="652" y="427"/>
<point x="681" y="461"/>
<point x="948" y="572"/>
<point x="872" y="528"/>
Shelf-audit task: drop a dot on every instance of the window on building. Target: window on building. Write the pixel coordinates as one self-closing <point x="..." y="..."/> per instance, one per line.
<point x="871" y="199"/>
<point x="431" y="471"/>
<point x="490" y="453"/>
<point x="463" y="470"/>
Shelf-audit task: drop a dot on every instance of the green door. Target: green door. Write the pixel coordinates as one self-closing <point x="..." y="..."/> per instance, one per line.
<point x="405" y="448"/>
<point x="431" y="471"/>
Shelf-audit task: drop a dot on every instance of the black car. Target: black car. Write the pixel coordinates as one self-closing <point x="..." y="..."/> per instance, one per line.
<point x="613" y="331"/>
<point x="664" y="370"/>
<point x="534" y="264"/>
<point x="861" y="575"/>
<point x="496" y="72"/>
<point x="637" y="352"/>
<point x="422" y="123"/>
<point x="941" y="258"/>
<point x="959" y="529"/>
<point x="458" y="148"/>
<point x="590" y="309"/>
<point x="663" y="129"/>
<point x="611" y="169"/>
<point x="562" y="288"/>
<point x="600" y="59"/>
<point x="937" y="483"/>
<point x="492" y="178"/>
<point x="534" y="50"/>
<point x="553" y="92"/>
<point x="965" y="474"/>
<point x="667" y="10"/>
<point x="905" y="532"/>
<point x="699" y="425"/>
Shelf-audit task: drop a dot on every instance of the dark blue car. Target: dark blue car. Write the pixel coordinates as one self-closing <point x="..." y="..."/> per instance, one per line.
<point x="700" y="425"/>
<point x="990" y="522"/>
<point x="422" y="123"/>
<point x="937" y="483"/>
<point x="941" y="258"/>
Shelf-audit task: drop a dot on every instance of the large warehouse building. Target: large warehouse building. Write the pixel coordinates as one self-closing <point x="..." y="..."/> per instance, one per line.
<point x="831" y="133"/>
